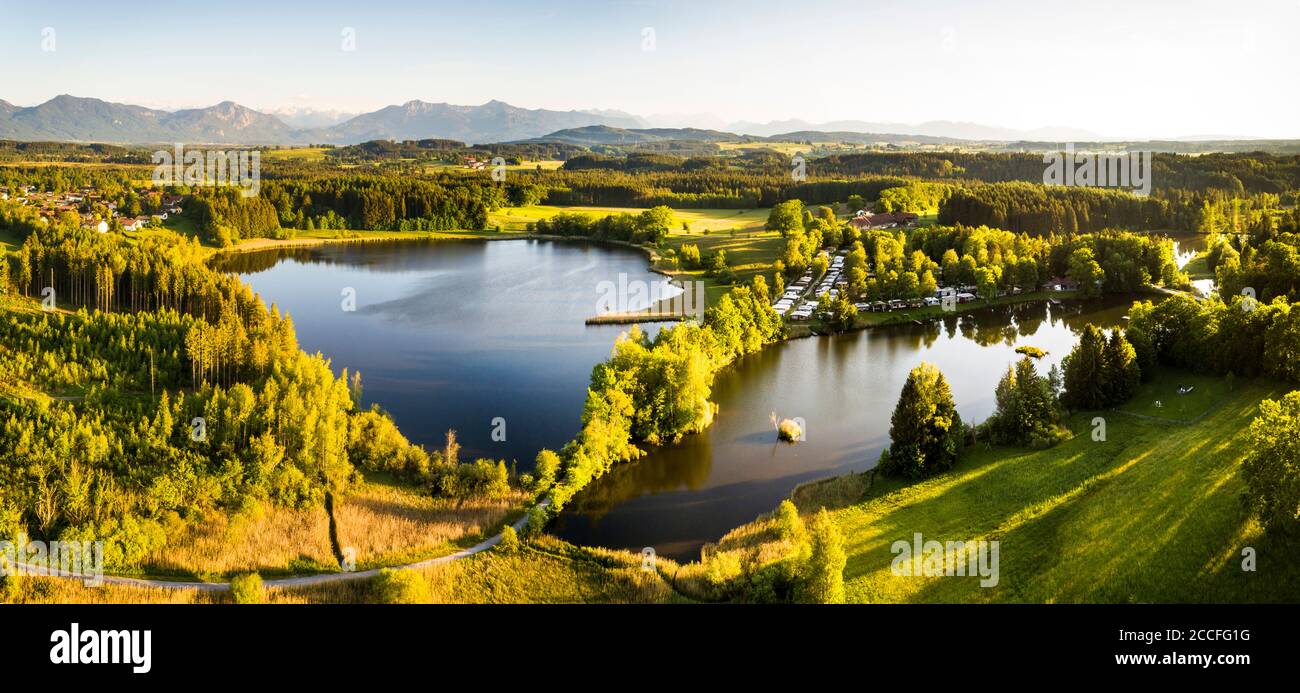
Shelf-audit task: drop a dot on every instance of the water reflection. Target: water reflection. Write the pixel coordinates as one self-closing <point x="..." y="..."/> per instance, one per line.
<point x="1186" y="247"/>
<point x="844" y="387"/>
<point x="454" y="334"/>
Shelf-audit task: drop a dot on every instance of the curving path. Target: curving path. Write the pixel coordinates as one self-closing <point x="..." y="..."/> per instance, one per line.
<point x="299" y="581"/>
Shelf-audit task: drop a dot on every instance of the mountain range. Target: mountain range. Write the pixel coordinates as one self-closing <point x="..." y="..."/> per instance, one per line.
<point x="494" y="121"/>
<point x="69" y="118"/>
<point x="81" y="119"/>
<point x="945" y="129"/>
<point x="591" y="135"/>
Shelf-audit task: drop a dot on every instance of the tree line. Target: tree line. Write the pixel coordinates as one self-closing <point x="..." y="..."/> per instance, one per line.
<point x="178" y="393"/>
<point x="927" y="435"/>
<point x="1235" y="174"/>
<point x="655" y="391"/>
<point x="1037" y="208"/>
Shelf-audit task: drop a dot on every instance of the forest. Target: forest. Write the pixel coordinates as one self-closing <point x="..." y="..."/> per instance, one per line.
<point x="371" y="203"/>
<point x="1236" y="174"/>
<point x="452" y="151"/>
<point x="170" y="391"/>
<point x="654" y="391"/>
<point x="150" y="339"/>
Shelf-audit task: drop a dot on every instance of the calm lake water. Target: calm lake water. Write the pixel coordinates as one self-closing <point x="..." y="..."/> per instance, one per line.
<point x="1186" y="247"/>
<point x="455" y="334"/>
<point x="844" y="387"/>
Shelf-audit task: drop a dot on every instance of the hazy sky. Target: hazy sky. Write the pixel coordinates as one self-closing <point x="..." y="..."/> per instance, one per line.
<point x="1168" y="68"/>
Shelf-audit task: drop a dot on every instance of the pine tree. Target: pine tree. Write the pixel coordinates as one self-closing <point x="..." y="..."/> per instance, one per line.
<point x="1027" y="413"/>
<point x="925" y="430"/>
<point x="1122" y="372"/>
<point x="1085" y="372"/>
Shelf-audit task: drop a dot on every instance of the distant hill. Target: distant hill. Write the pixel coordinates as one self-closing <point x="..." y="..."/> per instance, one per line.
<point x="227" y="122"/>
<point x="494" y="121"/>
<point x="862" y="138"/>
<point x="78" y="119"/>
<point x="606" y="135"/>
<point x="935" y="128"/>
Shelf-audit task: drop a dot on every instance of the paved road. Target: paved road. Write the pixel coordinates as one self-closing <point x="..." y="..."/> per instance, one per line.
<point x="300" y="581"/>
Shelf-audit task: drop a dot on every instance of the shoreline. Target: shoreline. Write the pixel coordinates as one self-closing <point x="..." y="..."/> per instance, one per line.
<point x="257" y="245"/>
<point x="793" y="331"/>
<point x="654" y="313"/>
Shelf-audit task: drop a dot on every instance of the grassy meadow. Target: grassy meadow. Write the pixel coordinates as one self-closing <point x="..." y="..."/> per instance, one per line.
<point x="544" y="164"/>
<point x="748" y="253"/>
<point x="384" y="523"/>
<point x="1199" y="267"/>
<point x="786" y="148"/>
<point x="699" y="220"/>
<point x="1150" y="514"/>
<point x="9" y="241"/>
<point x="547" y="571"/>
<point x="1206" y="391"/>
<point x="300" y="154"/>
<point x="750" y="248"/>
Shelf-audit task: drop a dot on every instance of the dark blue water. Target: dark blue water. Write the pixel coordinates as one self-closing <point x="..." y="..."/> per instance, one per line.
<point x="456" y="334"/>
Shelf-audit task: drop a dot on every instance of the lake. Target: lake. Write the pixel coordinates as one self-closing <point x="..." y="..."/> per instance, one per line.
<point x="456" y="334"/>
<point x="453" y="334"/>
<point x="844" y="388"/>
<point x="1186" y="247"/>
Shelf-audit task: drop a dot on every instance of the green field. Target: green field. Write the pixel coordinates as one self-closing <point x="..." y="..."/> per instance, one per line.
<point x="545" y="164"/>
<point x="1199" y="267"/>
<point x="547" y="571"/>
<point x="750" y="248"/>
<point x="748" y="253"/>
<point x="787" y="148"/>
<point x="9" y="241"/>
<point x="790" y="148"/>
<point x="699" y="220"/>
<point x="1150" y="514"/>
<point x="181" y="224"/>
<point x="307" y="154"/>
<point x="1206" y="392"/>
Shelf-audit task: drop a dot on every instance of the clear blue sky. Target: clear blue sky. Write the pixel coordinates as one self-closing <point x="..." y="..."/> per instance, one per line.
<point x="1160" y="67"/>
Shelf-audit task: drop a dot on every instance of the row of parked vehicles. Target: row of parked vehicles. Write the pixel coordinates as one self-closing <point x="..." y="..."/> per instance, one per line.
<point x="799" y="303"/>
